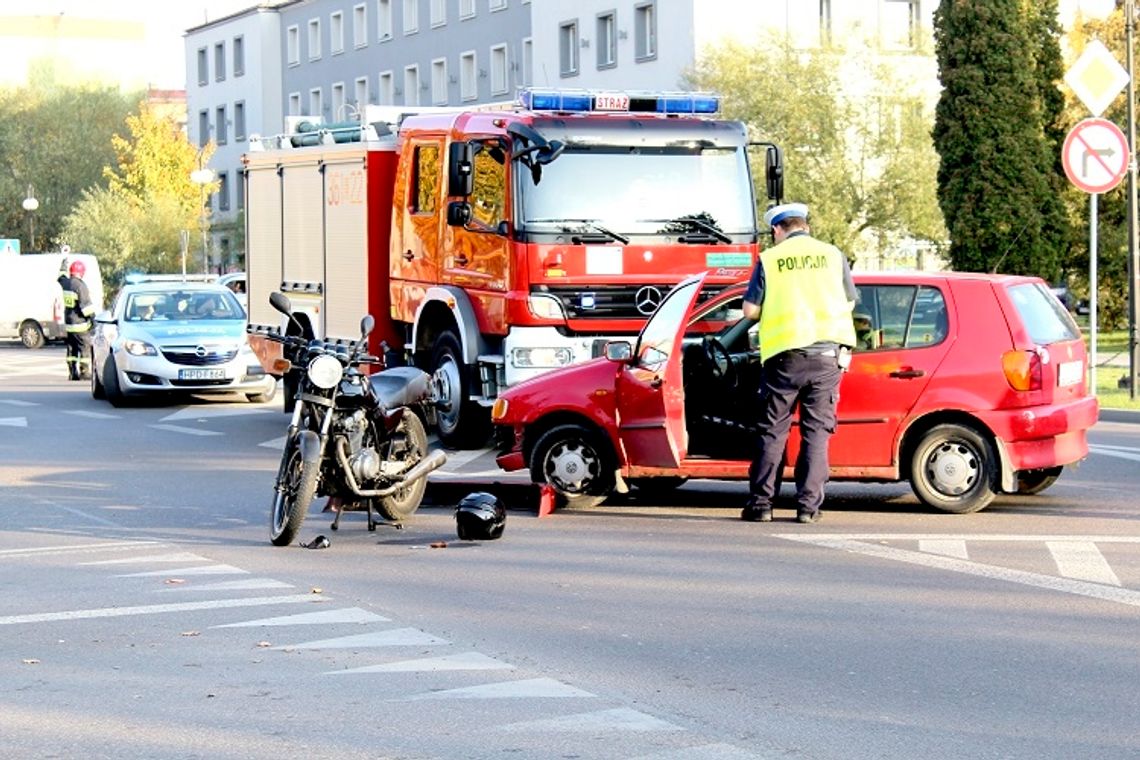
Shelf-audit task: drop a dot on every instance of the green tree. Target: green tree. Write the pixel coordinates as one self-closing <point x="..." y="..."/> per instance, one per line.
<point x="995" y="130"/>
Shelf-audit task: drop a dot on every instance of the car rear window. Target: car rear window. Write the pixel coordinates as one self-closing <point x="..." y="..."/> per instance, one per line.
<point x="1045" y="319"/>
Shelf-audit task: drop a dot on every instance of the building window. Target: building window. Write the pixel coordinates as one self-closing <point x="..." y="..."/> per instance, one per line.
<point x="239" y="188"/>
<point x="239" y="56"/>
<point x="387" y="89"/>
<point x="203" y="67"/>
<point x="466" y="8"/>
<point x="497" y="5"/>
<point x="314" y="39"/>
<point x="220" y="132"/>
<point x="294" y="104"/>
<point x="439" y="82"/>
<point x="339" y="112"/>
<point x="223" y="191"/>
<point x="411" y="16"/>
<point x="293" y="45"/>
<point x="361" y="92"/>
<point x="220" y="61"/>
<point x="203" y="127"/>
<point x="900" y="24"/>
<point x="412" y="85"/>
<point x="316" y="103"/>
<point x="607" y="40"/>
<point x="568" y="48"/>
<point x="499" y="81"/>
<point x="384" y="19"/>
<point x="336" y="33"/>
<point x="468" y="84"/>
<point x="645" y="31"/>
<point x="239" y="120"/>
<point x="359" y="26"/>
<point x="438" y="12"/>
<point x="527" y="62"/>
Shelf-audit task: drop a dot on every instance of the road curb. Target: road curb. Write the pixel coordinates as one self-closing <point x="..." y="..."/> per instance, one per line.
<point x="1119" y="415"/>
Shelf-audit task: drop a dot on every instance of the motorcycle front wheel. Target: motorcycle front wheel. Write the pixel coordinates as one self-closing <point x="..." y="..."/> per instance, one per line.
<point x="296" y="486"/>
<point x="409" y="444"/>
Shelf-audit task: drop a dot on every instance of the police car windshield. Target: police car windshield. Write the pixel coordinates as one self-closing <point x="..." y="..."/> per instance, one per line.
<point x="636" y="190"/>
<point x="182" y="305"/>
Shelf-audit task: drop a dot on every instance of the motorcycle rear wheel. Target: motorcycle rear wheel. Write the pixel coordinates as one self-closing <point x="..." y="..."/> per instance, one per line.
<point x="410" y="444"/>
<point x="296" y="486"/>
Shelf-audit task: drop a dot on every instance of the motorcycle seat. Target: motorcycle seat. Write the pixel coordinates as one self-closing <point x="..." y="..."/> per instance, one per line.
<point x="400" y="386"/>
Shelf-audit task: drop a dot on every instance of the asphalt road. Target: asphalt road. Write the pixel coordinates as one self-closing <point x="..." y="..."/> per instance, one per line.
<point x="144" y="613"/>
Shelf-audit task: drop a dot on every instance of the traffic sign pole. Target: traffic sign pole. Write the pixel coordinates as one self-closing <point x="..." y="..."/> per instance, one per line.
<point x="1092" y="291"/>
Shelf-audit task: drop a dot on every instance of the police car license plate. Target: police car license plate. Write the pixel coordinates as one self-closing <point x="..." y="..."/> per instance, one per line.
<point x="1069" y="373"/>
<point x="611" y="101"/>
<point x="201" y="374"/>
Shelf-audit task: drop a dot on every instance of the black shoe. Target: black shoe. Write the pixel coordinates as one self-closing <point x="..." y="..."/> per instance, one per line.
<point x="804" y="516"/>
<point x="756" y="514"/>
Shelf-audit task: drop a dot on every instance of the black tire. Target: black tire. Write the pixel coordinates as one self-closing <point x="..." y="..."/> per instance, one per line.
<point x="1030" y="482"/>
<point x="31" y="334"/>
<point x="263" y="398"/>
<point x="297" y="484"/>
<point x="577" y="462"/>
<point x="655" y="488"/>
<point x="462" y="424"/>
<point x="410" y="442"/>
<point x="954" y="468"/>
<point x="111" y="387"/>
<point x="97" y="391"/>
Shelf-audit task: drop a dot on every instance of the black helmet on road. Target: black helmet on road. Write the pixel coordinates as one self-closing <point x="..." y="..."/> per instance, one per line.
<point x="480" y="516"/>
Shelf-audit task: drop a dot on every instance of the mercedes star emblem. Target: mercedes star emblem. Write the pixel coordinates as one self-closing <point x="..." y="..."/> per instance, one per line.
<point x="647" y="299"/>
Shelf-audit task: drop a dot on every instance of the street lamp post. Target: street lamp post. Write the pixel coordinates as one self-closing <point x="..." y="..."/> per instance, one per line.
<point x="202" y="177"/>
<point x="30" y="205"/>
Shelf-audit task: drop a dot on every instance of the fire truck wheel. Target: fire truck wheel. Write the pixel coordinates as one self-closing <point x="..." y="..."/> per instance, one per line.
<point x="462" y="423"/>
<point x="577" y="462"/>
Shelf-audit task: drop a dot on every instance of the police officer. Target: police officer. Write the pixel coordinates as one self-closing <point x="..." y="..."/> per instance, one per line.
<point x="78" y="311"/>
<point x="802" y="294"/>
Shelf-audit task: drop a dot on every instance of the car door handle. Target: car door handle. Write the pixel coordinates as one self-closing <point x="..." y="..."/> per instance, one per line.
<point x="408" y="255"/>
<point x="907" y="373"/>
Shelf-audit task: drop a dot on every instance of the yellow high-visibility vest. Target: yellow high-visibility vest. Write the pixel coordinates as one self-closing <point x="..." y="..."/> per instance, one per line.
<point x="804" y="298"/>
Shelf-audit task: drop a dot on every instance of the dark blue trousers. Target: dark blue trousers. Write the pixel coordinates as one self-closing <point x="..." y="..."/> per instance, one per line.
<point x="812" y="381"/>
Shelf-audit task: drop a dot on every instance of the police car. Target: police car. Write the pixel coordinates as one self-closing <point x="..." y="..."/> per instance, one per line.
<point x="168" y="335"/>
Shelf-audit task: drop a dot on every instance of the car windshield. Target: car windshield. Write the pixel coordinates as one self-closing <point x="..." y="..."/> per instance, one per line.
<point x="643" y="190"/>
<point x="1045" y="319"/>
<point x="182" y="305"/>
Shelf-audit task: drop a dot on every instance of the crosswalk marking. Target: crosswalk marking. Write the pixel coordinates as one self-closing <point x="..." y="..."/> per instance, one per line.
<point x="154" y="609"/>
<point x="249" y="585"/>
<point x="532" y="688"/>
<point x="200" y="570"/>
<point x="618" y="719"/>
<point x="175" y="557"/>
<point x="79" y="548"/>
<point x="215" y="410"/>
<point x="1120" y="452"/>
<point x="17" y="402"/>
<point x="1083" y="561"/>
<point x="325" y="617"/>
<point x="397" y="637"/>
<point x="91" y="415"/>
<point x="14" y="421"/>
<point x="446" y="663"/>
<point x="187" y="430"/>
<point x="948" y="548"/>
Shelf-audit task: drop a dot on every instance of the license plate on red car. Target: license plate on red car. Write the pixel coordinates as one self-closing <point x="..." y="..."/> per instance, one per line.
<point x="1070" y="373"/>
<point x="201" y="374"/>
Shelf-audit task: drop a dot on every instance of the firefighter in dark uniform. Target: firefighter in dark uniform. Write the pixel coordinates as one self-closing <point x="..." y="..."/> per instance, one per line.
<point x="802" y="294"/>
<point x="78" y="311"/>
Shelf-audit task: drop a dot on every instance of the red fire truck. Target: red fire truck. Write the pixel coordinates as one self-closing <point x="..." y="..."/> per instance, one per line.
<point x="492" y="245"/>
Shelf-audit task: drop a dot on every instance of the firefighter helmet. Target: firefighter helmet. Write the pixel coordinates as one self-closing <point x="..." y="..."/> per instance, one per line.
<point x="480" y="516"/>
<point x="77" y="269"/>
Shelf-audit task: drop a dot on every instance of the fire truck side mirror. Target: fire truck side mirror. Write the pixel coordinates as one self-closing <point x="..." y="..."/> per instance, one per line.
<point x="460" y="169"/>
<point x="774" y="172"/>
<point x="458" y="213"/>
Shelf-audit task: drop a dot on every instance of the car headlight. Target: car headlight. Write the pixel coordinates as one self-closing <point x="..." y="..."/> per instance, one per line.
<point x="139" y="348"/>
<point x="325" y="371"/>
<point x="545" y="306"/>
<point x="541" y="357"/>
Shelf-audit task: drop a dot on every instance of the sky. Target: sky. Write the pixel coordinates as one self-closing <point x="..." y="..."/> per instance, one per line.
<point x="165" y="21"/>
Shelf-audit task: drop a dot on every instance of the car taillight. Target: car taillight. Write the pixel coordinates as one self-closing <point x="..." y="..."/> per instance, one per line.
<point x="1022" y="370"/>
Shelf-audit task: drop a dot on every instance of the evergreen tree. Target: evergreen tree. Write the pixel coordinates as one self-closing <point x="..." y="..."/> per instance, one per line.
<point x="995" y="132"/>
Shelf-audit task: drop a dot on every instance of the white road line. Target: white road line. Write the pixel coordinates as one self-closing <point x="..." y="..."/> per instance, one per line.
<point x="78" y="548"/>
<point x="153" y="609"/>
<point x="1110" y="447"/>
<point x="175" y="557"/>
<point x="248" y="585"/>
<point x="276" y="443"/>
<point x="189" y="431"/>
<point x="529" y="689"/>
<point x="447" y="663"/>
<point x="92" y="415"/>
<point x="200" y="570"/>
<point x="14" y="421"/>
<point x="211" y="412"/>
<point x="325" y="617"/>
<point x="1082" y="560"/>
<point x="1065" y="585"/>
<point x="950" y="548"/>
<point x="398" y="637"/>
<point x="618" y="719"/>
<point x="88" y="516"/>
<point x="17" y="402"/>
<point x="1102" y="539"/>
<point x="1113" y="453"/>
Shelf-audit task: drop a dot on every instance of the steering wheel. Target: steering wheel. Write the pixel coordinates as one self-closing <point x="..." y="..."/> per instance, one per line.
<point x="720" y="361"/>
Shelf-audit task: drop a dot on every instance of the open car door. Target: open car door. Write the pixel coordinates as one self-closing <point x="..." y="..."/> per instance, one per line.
<point x="650" y="390"/>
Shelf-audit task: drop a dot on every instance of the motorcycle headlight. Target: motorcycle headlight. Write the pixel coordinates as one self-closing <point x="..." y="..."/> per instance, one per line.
<point x="139" y="348"/>
<point x="325" y="371"/>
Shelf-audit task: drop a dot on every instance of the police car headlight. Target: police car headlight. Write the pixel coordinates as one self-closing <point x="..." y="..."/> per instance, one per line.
<point x="325" y="371"/>
<point x="541" y="357"/>
<point x="545" y="306"/>
<point x="139" y="348"/>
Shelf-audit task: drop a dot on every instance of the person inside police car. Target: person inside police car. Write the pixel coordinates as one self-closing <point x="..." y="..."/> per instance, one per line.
<point x="802" y="294"/>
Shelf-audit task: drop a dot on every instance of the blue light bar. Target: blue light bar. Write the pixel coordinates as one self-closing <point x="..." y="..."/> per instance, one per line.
<point x="554" y="100"/>
<point x="643" y="102"/>
<point x="688" y="104"/>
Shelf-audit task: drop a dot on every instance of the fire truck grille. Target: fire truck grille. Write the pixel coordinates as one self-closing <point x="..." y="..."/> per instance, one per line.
<point x="192" y="358"/>
<point x="614" y="301"/>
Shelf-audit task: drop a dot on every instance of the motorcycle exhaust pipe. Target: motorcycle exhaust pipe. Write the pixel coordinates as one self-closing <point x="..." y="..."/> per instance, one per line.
<point x="433" y="461"/>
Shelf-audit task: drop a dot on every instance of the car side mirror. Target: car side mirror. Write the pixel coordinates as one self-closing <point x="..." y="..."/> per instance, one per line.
<point x="458" y="213"/>
<point x="619" y="351"/>
<point x="774" y="172"/>
<point x="460" y="169"/>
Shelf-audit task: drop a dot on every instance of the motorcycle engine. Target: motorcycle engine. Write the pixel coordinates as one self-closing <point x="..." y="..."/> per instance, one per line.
<point x="365" y="465"/>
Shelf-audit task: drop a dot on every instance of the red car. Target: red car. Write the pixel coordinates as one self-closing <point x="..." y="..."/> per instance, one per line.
<point x="965" y="385"/>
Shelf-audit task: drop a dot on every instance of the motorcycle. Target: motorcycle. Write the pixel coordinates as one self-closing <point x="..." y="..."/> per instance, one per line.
<point x="356" y="438"/>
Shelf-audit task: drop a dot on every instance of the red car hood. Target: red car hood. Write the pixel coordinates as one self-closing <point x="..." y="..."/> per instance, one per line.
<point x="571" y="387"/>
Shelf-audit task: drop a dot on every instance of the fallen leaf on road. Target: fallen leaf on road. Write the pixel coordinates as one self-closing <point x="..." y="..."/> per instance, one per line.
<point x="264" y="644"/>
<point x="316" y="590"/>
<point x="191" y="633"/>
<point x="31" y="661"/>
<point x="173" y="581"/>
<point x="439" y="545"/>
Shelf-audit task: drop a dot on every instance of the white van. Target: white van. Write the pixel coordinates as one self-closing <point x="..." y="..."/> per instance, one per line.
<point x="31" y="302"/>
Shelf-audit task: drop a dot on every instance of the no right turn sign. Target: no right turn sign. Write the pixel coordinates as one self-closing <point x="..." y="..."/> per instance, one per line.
<point x="1095" y="155"/>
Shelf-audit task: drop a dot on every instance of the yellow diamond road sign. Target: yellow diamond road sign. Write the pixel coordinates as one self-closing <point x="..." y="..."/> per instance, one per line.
<point x="1097" y="77"/>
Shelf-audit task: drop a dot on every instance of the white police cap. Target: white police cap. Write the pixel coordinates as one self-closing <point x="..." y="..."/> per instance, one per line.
<point x="777" y="214"/>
